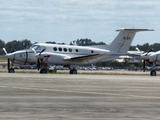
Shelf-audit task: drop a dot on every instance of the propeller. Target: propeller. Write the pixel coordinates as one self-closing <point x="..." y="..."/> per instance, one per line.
<point x="38" y="64"/>
<point x="8" y="61"/>
<point x="144" y="65"/>
<point x="5" y="51"/>
<point x="42" y="51"/>
<point x="38" y="57"/>
<point x="8" y="64"/>
<point x="150" y="50"/>
<point x="145" y="57"/>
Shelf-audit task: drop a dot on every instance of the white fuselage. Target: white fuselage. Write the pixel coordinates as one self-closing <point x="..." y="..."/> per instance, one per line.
<point x="63" y="54"/>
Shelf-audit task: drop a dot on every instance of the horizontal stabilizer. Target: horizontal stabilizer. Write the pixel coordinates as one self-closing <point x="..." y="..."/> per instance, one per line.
<point x="137" y="30"/>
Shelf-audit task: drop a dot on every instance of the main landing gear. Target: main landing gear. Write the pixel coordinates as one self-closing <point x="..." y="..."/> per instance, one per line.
<point x="73" y="71"/>
<point x="43" y="71"/>
<point x="153" y="73"/>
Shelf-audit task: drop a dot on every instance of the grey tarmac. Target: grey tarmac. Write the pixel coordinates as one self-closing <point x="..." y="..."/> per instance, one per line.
<point x="79" y="97"/>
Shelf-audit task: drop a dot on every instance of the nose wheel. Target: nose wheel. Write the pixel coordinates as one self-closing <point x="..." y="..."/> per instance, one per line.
<point x="11" y="70"/>
<point x="10" y="67"/>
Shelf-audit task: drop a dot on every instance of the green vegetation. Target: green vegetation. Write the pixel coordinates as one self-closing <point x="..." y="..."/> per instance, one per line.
<point x="146" y="47"/>
<point x="14" y="45"/>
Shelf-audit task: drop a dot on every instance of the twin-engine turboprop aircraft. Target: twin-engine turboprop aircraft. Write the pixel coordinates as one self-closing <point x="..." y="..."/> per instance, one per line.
<point x="72" y="56"/>
<point x="153" y="58"/>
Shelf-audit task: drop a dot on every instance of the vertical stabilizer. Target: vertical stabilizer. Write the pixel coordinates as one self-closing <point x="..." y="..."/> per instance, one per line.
<point x="124" y="39"/>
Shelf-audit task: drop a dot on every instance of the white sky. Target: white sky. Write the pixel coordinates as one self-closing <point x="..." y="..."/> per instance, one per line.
<point x="68" y="20"/>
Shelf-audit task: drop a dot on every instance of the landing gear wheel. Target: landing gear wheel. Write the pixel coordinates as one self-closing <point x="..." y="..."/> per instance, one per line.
<point x="43" y="71"/>
<point x="73" y="71"/>
<point x="11" y="70"/>
<point x="153" y="73"/>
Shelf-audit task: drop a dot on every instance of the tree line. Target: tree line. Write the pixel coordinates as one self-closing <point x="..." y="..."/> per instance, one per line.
<point x="25" y="44"/>
<point x="14" y="45"/>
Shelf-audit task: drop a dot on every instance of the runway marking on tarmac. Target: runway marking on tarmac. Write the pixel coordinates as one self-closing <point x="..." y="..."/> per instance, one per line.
<point x="91" y="93"/>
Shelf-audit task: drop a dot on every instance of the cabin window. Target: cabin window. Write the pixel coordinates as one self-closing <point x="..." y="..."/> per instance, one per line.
<point x="76" y="50"/>
<point x="60" y="49"/>
<point x="92" y="51"/>
<point x="65" y="49"/>
<point x="70" y="50"/>
<point x="55" y="49"/>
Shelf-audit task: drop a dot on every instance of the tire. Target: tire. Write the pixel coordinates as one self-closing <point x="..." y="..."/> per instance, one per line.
<point x="153" y="73"/>
<point x="43" y="71"/>
<point x="73" y="71"/>
<point x="11" y="70"/>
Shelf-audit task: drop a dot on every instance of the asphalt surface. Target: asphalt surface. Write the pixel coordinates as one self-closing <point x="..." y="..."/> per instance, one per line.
<point x="79" y="97"/>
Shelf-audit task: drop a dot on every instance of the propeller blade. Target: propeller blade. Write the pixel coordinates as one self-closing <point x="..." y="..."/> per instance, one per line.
<point x="34" y="50"/>
<point x="5" y="51"/>
<point x="42" y="51"/>
<point x="138" y="49"/>
<point x="144" y="65"/>
<point x="8" y="65"/>
<point x="38" y="64"/>
<point x="150" y="50"/>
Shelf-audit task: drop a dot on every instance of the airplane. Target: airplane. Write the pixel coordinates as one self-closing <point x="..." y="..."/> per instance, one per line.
<point x="152" y="58"/>
<point x="44" y="54"/>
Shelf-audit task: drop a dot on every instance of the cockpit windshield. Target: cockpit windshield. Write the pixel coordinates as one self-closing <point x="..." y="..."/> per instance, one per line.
<point x="36" y="47"/>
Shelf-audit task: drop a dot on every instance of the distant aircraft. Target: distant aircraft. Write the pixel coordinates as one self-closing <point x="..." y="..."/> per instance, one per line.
<point x="152" y="58"/>
<point x="72" y="56"/>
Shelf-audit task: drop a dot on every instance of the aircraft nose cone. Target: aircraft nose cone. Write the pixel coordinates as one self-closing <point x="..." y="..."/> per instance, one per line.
<point x="10" y="56"/>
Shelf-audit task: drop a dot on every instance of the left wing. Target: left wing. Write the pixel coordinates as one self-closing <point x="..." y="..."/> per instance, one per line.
<point x="76" y="57"/>
<point x="83" y="58"/>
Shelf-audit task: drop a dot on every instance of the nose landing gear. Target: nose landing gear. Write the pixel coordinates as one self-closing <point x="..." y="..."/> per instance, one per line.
<point x="10" y="69"/>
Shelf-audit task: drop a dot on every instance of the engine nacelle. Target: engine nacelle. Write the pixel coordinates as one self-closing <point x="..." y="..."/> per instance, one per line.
<point x="53" y="58"/>
<point x="154" y="57"/>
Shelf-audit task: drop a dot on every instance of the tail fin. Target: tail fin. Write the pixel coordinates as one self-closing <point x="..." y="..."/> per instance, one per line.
<point x="124" y="39"/>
